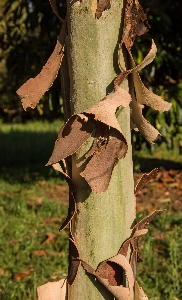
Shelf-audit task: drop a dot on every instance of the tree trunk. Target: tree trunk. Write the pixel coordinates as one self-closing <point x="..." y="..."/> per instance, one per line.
<point x="103" y="221"/>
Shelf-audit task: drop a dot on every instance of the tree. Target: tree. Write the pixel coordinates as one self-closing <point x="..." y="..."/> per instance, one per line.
<point x="101" y="215"/>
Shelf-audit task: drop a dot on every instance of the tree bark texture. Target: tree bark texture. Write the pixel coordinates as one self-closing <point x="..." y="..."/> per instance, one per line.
<point x="103" y="221"/>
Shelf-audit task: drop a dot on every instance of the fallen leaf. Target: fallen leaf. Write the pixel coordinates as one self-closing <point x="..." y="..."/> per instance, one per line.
<point x="4" y="272"/>
<point x="32" y="91"/>
<point x="53" y="290"/>
<point x="101" y="6"/>
<point x="22" y="274"/>
<point x="39" y="253"/>
<point x="51" y="221"/>
<point x="49" y="239"/>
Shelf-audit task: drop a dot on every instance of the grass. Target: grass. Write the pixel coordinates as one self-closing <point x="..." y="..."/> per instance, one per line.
<point x="28" y="259"/>
<point x="27" y="213"/>
<point x="157" y="157"/>
<point x="160" y="273"/>
<point x="32" y="207"/>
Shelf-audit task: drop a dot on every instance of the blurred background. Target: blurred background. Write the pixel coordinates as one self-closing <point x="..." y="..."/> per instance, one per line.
<point x="33" y="198"/>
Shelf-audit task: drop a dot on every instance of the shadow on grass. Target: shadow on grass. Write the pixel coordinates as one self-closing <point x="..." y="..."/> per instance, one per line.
<point x="24" y="153"/>
<point x="147" y="164"/>
<point x="23" y="156"/>
<point x="28" y="174"/>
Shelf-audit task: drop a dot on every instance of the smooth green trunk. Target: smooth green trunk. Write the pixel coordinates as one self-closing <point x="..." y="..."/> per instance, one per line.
<point x="102" y="222"/>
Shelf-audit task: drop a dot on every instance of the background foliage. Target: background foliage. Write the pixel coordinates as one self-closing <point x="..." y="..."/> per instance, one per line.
<point x="164" y="75"/>
<point x="28" y="31"/>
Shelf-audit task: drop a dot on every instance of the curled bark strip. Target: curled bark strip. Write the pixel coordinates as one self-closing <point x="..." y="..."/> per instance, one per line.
<point x="71" y="137"/>
<point x="87" y="267"/>
<point x="71" y="213"/>
<point x="74" y="261"/>
<point x="146" y="221"/>
<point x="99" y="169"/>
<point x="101" y="6"/>
<point x="146" y="61"/>
<point x="54" y="7"/>
<point x="53" y="290"/>
<point x="139" y="293"/>
<point x="140" y="230"/>
<point x="72" y="203"/>
<point x="31" y="92"/>
<point x="105" y="109"/>
<point x="145" y="179"/>
<point x="141" y="95"/>
<point x="109" y="144"/>
<point x="147" y="97"/>
<point x="123" y="262"/>
<point x="145" y="128"/>
<point x="68" y="179"/>
<point x="109" y="273"/>
<point x="135" y="22"/>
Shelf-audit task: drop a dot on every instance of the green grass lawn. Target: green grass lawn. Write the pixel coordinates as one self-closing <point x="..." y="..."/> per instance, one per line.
<point x="28" y="259"/>
<point x="27" y="214"/>
<point x="160" y="272"/>
<point x="33" y="206"/>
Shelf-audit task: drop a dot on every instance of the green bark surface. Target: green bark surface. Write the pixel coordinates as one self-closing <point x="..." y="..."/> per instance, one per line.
<point x="102" y="222"/>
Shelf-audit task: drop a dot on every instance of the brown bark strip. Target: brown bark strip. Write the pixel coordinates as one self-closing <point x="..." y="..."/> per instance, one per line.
<point x="54" y="7"/>
<point x="74" y="261"/>
<point x="72" y="204"/>
<point x="145" y="179"/>
<point x="136" y="22"/>
<point x="65" y="86"/>
<point x="101" y="6"/>
<point x="31" y="92"/>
